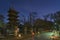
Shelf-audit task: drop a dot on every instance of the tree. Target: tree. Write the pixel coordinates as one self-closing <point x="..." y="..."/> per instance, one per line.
<point x="57" y="17"/>
<point x="46" y="17"/>
<point x="27" y="27"/>
<point x="38" y="24"/>
<point x="57" y="20"/>
<point x="2" y="21"/>
<point x="32" y="17"/>
<point x="2" y="25"/>
<point x="42" y="24"/>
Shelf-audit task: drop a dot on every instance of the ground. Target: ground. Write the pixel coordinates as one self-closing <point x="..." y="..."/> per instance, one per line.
<point x="40" y="36"/>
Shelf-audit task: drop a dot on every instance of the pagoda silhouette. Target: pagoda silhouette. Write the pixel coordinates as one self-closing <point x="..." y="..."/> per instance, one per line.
<point x="13" y="20"/>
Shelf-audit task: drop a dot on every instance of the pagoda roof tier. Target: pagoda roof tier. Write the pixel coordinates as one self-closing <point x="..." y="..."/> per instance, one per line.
<point x="12" y="11"/>
<point x="12" y="23"/>
<point x="13" y="15"/>
<point x="13" y="19"/>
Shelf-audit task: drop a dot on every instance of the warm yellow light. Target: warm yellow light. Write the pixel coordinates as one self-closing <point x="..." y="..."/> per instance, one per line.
<point x="16" y="31"/>
<point x="38" y="32"/>
<point x="32" y="33"/>
<point x="19" y="35"/>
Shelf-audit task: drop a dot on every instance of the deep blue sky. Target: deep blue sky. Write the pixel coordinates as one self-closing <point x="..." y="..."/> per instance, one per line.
<point x="42" y="7"/>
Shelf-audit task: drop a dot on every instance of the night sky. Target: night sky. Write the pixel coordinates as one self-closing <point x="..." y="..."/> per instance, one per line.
<point x="42" y="7"/>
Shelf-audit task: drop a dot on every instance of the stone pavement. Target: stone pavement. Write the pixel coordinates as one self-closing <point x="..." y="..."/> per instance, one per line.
<point x="25" y="37"/>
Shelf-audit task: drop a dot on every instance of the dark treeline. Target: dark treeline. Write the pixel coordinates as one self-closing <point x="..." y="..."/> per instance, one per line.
<point x="33" y="24"/>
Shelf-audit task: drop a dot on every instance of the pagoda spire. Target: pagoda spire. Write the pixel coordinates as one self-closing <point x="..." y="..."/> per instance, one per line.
<point x="12" y="5"/>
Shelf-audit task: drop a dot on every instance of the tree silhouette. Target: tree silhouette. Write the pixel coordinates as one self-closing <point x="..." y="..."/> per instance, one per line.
<point x="1" y="21"/>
